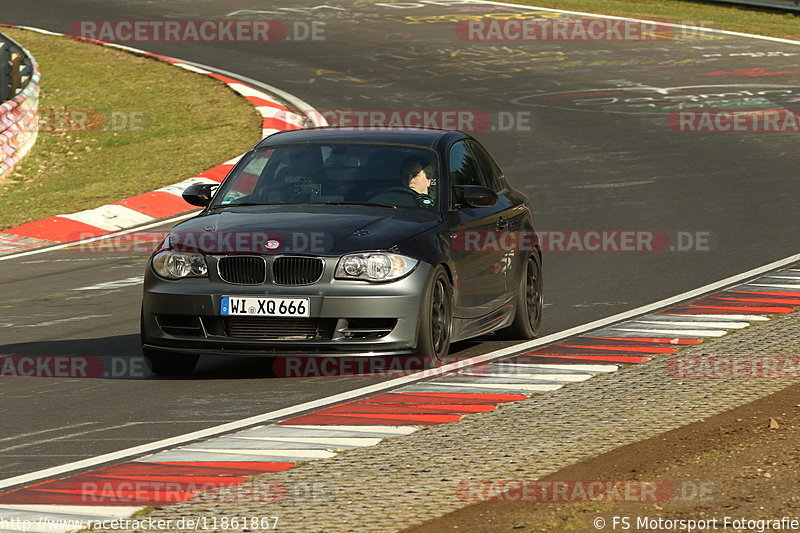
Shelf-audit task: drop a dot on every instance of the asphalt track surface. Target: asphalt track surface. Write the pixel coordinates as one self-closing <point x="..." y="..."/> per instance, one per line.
<point x="588" y="162"/>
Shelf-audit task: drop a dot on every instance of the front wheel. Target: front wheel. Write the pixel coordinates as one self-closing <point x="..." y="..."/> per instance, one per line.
<point x="528" y="311"/>
<point x="435" y="320"/>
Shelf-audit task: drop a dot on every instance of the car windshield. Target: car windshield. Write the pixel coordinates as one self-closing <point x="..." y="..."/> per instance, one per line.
<point x="358" y="174"/>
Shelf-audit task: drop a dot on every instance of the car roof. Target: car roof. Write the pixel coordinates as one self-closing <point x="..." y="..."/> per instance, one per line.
<point x="423" y="137"/>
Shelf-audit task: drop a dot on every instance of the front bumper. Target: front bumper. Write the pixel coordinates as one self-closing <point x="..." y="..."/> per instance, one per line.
<point x="350" y="317"/>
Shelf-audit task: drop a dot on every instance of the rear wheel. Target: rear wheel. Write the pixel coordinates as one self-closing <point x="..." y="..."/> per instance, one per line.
<point x="528" y="312"/>
<point x="435" y="321"/>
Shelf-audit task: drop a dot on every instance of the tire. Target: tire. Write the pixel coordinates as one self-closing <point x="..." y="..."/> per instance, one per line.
<point x="435" y="320"/>
<point x="528" y="307"/>
<point x="163" y="363"/>
<point x="169" y="364"/>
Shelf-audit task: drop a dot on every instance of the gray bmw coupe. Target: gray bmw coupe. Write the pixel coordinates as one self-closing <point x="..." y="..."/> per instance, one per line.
<point x="339" y="241"/>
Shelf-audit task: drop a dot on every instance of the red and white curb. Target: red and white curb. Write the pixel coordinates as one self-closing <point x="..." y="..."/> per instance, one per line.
<point x="162" y="203"/>
<point x="180" y="473"/>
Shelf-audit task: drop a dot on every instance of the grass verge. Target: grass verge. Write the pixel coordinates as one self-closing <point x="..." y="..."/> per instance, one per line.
<point x="115" y="125"/>
<point x="708" y="15"/>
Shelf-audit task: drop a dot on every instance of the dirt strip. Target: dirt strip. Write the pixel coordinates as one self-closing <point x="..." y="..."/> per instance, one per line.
<point x="743" y="463"/>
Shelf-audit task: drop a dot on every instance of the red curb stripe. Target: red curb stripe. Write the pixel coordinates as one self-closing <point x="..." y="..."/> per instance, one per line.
<point x="545" y="360"/>
<point x="773" y="293"/>
<point x="642" y="349"/>
<point x="386" y="420"/>
<point x="226" y="79"/>
<point x="765" y="300"/>
<point x="726" y="310"/>
<point x="35" y="497"/>
<point x="626" y="359"/>
<point x="217" y="173"/>
<point x="254" y="467"/>
<point x="277" y="123"/>
<point x="222" y="481"/>
<point x="56" y="229"/>
<point x="716" y="302"/>
<point x="446" y="397"/>
<point x="157" y="204"/>
<point x="577" y="352"/>
<point x="263" y="102"/>
<point x="386" y="408"/>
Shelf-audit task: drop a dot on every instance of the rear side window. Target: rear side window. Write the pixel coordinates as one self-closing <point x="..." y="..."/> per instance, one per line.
<point x="492" y="175"/>
<point x="464" y="167"/>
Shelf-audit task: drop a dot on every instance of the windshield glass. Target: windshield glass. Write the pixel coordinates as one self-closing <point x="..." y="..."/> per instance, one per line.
<point x="393" y="176"/>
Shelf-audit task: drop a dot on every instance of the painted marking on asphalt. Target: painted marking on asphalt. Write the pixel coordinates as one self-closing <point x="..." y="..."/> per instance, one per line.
<point x="118" y="284"/>
<point x="58" y="321"/>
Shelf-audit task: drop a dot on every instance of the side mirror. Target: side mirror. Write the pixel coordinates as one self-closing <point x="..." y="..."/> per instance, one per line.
<point x="199" y="194"/>
<point x="475" y="195"/>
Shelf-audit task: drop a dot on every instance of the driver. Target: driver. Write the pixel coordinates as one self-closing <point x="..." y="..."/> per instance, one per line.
<point x="416" y="175"/>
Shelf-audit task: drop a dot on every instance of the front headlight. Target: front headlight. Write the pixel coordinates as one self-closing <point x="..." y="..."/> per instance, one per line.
<point x="177" y="265"/>
<point x="374" y="266"/>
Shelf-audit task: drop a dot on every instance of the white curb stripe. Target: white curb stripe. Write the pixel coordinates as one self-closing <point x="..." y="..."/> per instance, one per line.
<point x="327" y="441"/>
<point x="178" y="188"/>
<point x="749" y="318"/>
<point x="673" y="332"/>
<point x="586" y="368"/>
<point x="383" y="430"/>
<point x="110" y="217"/>
<point x="538" y="387"/>
<point x="275" y="452"/>
<point x="538" y="377"/>
<point x="705" y="324"/>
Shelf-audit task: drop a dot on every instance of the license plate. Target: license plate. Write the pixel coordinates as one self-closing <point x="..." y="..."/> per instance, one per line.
<point x="253" y="306"/>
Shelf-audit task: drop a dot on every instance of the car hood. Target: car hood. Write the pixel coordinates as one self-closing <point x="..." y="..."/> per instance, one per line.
<point x="306" y="229"/>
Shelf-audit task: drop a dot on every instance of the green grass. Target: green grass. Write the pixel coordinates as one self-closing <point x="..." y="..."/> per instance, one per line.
<point x="707" y="15"/>
<point x="190" y="123"/>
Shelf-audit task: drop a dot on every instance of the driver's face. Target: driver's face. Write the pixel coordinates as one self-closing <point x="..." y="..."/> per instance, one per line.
<point x="417" y="179"/>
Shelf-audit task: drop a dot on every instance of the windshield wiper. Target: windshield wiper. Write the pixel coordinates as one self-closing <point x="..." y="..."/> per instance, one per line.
<point x="371" y="204"/>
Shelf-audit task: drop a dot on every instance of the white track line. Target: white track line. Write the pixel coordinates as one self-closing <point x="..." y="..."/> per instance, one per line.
<point x="385" y="385"/>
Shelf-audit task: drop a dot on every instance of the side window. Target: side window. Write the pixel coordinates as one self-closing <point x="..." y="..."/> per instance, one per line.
<point x="491" y="172"/>
<point x="244" y="183"/>
<point x="464" y="169"/>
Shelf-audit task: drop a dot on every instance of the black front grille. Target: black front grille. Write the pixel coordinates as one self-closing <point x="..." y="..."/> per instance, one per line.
<point x="243" y="270"/>
<point x="267" y="328"/>
<point x="297" y="270"/>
